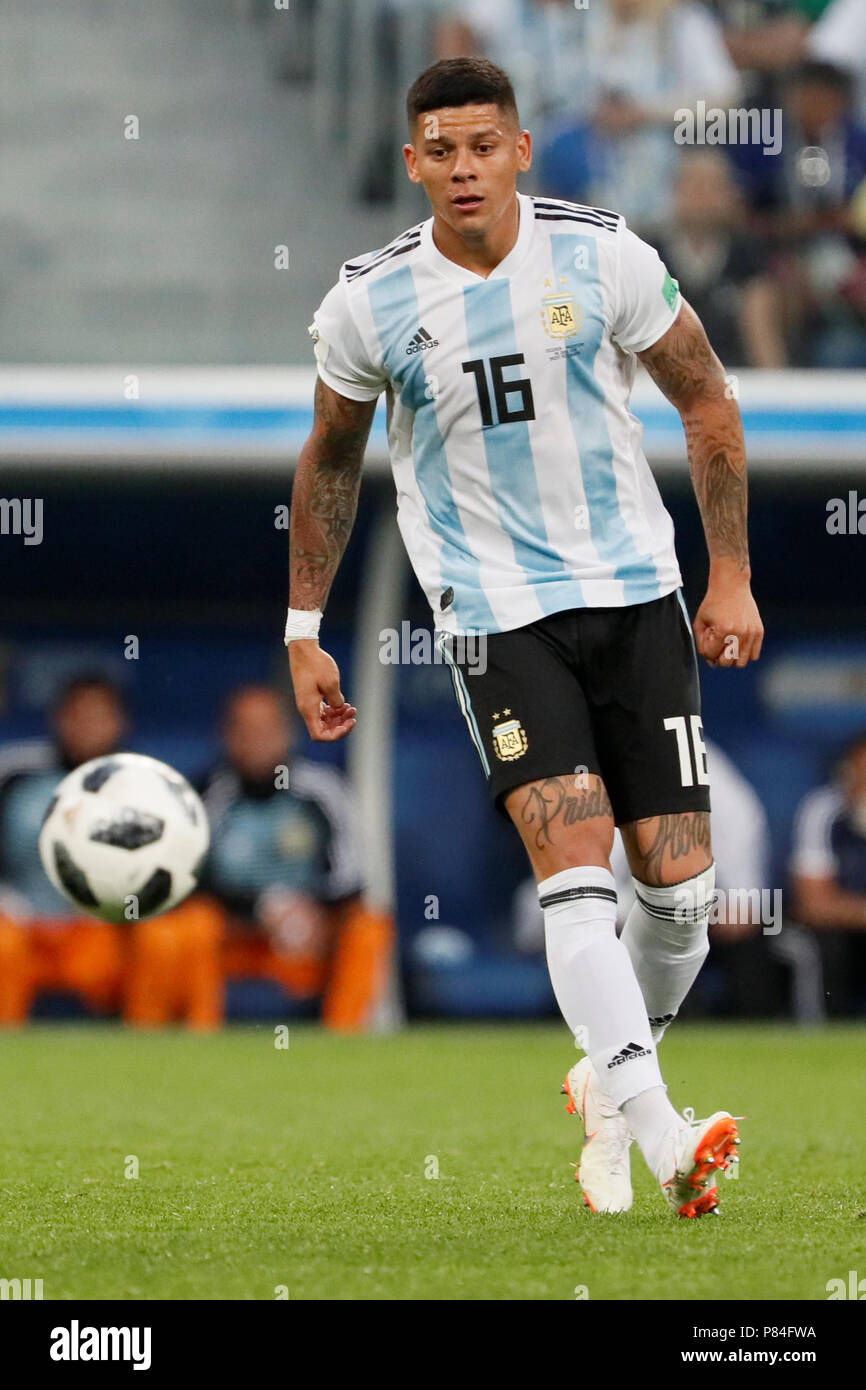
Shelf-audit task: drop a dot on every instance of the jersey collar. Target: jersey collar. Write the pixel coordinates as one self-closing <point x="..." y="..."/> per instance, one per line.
<point x="506" y="267"/>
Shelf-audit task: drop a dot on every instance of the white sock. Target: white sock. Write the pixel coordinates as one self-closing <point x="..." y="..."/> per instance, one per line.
<point x="654" y="1124"/>
<point x="666" y="937"/>
<point x="594" y="980"/>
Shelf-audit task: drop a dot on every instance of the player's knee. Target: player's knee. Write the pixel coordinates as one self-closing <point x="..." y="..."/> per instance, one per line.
<point x="680" y="911"/>
<point x="582" y="848"/>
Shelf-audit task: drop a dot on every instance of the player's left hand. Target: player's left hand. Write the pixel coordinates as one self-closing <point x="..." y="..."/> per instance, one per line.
<point x="728" y="628"/>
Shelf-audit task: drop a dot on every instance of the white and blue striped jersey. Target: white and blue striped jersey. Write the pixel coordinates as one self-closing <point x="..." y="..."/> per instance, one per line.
<point x="522" y="484"/>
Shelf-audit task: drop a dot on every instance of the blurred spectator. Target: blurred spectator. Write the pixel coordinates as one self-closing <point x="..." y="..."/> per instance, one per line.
<point x="290" y="39"/>
<point x="765" y="37"/>
<point x="613" y="76"/>
<point x="540" y="43"/>
<point x="646" y="60"/>
<point x="739" y="951"/>
<point x="722" y="271"/>
<point x="808" y="186"/>
<point x="839" y="37"/>
<point x="284" y="868"/>
<point x="157" y="970"/>
<point x="812" y="197"/>
<point x="828" y="868"/>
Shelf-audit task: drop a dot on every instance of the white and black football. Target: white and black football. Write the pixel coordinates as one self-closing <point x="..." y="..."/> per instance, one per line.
<point x="124" y="837"/>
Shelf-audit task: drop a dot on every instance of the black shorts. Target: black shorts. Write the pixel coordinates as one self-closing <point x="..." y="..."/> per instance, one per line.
<point x="612" y="691"/>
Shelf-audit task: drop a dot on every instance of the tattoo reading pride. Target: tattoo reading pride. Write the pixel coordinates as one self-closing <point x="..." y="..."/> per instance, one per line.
<point x="550" y="800"/>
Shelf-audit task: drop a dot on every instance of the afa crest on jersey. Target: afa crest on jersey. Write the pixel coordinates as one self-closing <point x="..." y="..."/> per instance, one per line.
<point x="560" y="314"/>
<point x="509" y="740"/>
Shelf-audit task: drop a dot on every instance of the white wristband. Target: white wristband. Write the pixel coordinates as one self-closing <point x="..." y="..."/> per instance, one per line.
<point x="302" y="624"/>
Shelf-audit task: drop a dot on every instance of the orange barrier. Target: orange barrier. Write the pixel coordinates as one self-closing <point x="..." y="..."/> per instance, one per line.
<point x="174" y="968"/>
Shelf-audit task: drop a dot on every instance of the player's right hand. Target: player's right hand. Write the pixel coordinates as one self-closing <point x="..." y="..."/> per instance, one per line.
<point x="316" y="682"/>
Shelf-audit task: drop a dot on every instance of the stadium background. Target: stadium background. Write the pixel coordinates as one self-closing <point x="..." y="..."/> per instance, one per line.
<point x="157" y="384"/>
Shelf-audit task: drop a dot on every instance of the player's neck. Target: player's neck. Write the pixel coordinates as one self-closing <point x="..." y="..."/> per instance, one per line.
<point x="483" y="253"/>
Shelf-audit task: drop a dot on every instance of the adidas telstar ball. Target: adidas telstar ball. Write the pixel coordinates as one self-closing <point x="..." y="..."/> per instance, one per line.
<point x="124" y="838"/>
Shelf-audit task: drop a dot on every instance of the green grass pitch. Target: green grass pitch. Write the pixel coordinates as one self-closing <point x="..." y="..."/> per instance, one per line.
<point x="304" y="1169"/>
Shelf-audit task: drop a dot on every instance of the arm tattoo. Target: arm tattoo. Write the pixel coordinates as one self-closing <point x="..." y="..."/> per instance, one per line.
<point x="675" y="837"/>
<point x="325" y="494"/>
<point x="687" y="371"/>
<point x="554" y="800"/>
<point x="723" y="499"/>
<point x="682" y="363"/>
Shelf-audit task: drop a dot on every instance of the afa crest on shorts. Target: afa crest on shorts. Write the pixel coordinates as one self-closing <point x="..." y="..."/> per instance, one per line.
<point x="509" y="739"/>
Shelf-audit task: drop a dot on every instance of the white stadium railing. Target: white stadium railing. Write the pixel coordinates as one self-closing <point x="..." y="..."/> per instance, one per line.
<point x="800" y="423"/>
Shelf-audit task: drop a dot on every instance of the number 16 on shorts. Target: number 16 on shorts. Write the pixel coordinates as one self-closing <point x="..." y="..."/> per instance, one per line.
<point x="692" y="751"/>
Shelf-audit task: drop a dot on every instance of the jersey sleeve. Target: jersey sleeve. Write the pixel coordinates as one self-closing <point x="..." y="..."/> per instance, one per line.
<point x="812" y="853"/>
<point x="648" y="297"/>
<point x="342" y="360"/>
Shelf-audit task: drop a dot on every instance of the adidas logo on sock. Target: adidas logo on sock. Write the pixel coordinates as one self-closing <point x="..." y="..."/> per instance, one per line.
<point x="662" y="1021"/>
<point x="421" y="341"/>
<point x="628" y="1054"/>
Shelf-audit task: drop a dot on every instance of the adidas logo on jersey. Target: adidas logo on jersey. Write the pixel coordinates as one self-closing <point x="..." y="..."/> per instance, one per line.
<point x="628" y="1054"/>
<point x="421" y="341"/>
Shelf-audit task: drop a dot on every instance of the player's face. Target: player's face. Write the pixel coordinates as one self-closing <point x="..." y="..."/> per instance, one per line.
<point x="257" y="735"/>
<point x="467" y="158"/>
<point x="89" y="724"/>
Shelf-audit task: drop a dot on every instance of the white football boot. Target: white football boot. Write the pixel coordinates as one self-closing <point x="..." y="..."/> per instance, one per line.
<point x="604" y="1172"/>
<point x="698" y="1151"/>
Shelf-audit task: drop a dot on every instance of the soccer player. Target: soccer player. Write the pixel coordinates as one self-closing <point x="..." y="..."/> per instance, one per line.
<point x="505" y="331"/>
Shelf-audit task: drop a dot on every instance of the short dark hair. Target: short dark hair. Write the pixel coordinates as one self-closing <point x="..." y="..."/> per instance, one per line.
<point x="239" y="692"/>
<point x="87" y="681"/>
<point x="460" y="82"/>
<point x="852" y="745"/>
<point x="814" y="72"/>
